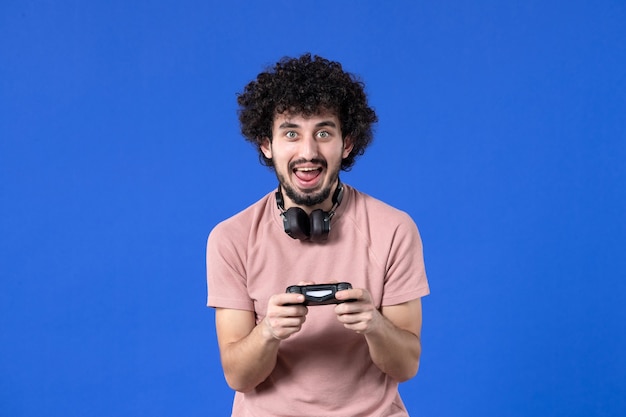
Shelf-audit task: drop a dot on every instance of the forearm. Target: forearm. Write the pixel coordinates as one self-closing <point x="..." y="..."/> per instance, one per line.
<point x="249" y="350"/>
<point x="249" y="361"/>
<point x="395" y="351"/>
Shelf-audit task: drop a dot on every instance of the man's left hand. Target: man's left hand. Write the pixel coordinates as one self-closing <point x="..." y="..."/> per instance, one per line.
<point x="359" y="314"/>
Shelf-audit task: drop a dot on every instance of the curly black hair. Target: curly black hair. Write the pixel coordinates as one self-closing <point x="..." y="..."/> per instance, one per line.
<point x="306" y="86"/>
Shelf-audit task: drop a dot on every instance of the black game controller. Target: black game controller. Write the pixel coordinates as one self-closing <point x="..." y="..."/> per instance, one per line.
<point x="319" y="294"/>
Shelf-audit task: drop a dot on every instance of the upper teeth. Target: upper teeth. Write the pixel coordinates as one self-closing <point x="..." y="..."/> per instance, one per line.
<point x="307" y="169"/>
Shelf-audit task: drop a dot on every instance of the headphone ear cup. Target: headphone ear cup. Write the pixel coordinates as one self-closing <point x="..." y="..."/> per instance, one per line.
<point x="320" y="225"/>
<point x="296" y="223"/>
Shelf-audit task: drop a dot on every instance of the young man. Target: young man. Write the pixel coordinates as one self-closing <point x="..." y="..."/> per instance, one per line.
<point x="309" y="120"/>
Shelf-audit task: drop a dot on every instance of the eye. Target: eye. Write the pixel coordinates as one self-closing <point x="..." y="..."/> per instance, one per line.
<point x="323" y="134"/>
<point x="291" y="134"/>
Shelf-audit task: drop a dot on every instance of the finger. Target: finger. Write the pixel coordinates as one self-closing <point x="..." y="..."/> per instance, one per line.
<point x="352" y="294"/>
<point x="294" y="311"/>
<point x="284" y="327"/>
<point x="288" y="322"/>
<point x="298" y="311"/>
<point x="286" y="299"/>
<point x="350" y="309"/>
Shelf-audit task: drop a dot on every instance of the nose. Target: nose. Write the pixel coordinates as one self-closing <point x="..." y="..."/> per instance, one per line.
<point x="309" y="148"/>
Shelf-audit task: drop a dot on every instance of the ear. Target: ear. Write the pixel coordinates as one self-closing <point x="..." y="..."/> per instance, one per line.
<point x="266" y="148"/>
<point x="348" y="145"/>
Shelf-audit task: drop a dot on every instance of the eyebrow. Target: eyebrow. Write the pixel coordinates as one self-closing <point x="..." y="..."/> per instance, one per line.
<point x="289" y="125"/>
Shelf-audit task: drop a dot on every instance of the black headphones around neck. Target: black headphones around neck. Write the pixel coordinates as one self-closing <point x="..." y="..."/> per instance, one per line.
<point x="314" y="227"/>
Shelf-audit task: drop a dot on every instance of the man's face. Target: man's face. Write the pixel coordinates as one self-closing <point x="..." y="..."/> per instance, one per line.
<point x="307" y="154"/>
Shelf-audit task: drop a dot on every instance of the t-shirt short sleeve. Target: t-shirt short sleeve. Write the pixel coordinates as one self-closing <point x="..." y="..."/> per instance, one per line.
<point x="226" y="277"/>
<point x="405" y="272"/>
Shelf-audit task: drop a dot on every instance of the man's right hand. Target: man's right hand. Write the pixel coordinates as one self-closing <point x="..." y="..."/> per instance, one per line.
<point x="285" y="315"/>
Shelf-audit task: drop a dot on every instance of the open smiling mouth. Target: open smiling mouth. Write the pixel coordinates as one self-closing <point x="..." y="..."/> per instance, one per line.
<point x="307" y="174"/>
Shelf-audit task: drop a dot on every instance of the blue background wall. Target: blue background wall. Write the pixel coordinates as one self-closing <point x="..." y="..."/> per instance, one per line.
<point x="502" y="132"/>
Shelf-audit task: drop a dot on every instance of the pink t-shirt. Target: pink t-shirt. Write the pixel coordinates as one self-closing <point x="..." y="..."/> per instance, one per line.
<point x="324" y="370"/>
